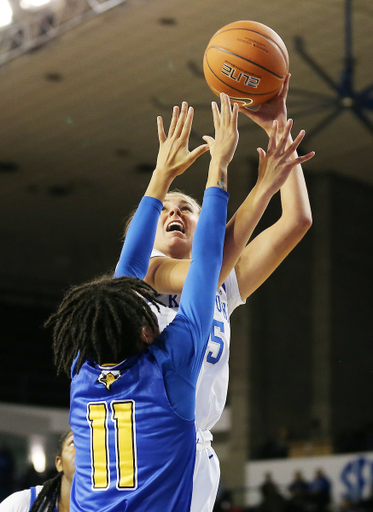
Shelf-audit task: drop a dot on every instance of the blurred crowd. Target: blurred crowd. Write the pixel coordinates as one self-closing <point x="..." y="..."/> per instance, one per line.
<point x="299" y="496"/>
<point x="303" y="496"/>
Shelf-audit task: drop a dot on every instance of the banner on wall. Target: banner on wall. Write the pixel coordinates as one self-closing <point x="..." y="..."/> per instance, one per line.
<point x="350" y="475"/>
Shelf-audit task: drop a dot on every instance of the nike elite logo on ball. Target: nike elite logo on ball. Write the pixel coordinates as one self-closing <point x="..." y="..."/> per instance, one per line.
<point x="239" y="76"/>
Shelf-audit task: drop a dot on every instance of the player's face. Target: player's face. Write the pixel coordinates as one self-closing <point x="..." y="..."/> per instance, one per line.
<point x="66" y="461"/>
<point x="176" y="226"/>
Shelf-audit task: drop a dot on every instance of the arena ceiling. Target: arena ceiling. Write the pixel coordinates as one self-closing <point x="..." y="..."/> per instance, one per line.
<point x="78" y="122"/>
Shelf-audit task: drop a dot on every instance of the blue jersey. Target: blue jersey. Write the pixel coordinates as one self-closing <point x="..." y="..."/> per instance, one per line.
<point x="130" y="464"/>
<point x="133" y="423"/>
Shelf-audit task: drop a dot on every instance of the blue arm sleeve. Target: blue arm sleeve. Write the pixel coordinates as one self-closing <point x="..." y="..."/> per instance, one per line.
<point x="139" y="241"/>
<point x="181" y="347"/>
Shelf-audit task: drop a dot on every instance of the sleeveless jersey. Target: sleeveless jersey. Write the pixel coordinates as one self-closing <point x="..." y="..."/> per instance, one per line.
<point x="113" y="413"/>
<point x="22" y="501"/>
<point x="212" y="384"/>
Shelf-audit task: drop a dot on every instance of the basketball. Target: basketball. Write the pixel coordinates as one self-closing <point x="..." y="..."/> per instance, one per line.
<point x="246" y="60"/>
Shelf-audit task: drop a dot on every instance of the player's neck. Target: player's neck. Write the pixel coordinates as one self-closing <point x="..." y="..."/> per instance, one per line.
<point x="64" y="500"/>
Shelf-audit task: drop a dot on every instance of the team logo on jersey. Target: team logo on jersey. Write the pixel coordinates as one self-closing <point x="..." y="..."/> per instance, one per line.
<point x="107" y="377"/>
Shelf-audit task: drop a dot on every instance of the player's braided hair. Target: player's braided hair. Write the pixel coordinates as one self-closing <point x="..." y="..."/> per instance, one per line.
<point x="47" y="498"/>
<point x="102" y="320"/>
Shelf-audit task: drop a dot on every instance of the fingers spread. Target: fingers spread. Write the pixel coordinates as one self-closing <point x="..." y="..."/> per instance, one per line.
<point x="305" y="158"/>
<point x="187" y="126"/>
<point x="161" y="132"/>
<point x="273" y="137"/>
<point x="181" y="119"/>
<point x="193" y="155"/>
<point x="215" y="114"/>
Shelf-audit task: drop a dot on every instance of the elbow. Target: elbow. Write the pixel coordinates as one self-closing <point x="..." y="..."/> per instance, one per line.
<point x="297" y="225"/>
<point x="303" y="223"/>
<point x="306" y="220"/>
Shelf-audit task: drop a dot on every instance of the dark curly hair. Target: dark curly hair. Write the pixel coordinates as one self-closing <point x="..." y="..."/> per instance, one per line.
<point x="102" y="320"/>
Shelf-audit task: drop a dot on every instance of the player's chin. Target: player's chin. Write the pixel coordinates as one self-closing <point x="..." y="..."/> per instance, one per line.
<point x="180" y="245"/>
<point x="177" y="235"/>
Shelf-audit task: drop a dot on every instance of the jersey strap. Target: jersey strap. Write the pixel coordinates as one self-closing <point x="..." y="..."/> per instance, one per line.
<point x="33" y="496"/>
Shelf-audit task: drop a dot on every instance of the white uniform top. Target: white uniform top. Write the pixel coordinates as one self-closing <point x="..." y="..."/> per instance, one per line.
<point x="212" y="384"/>
<point x="19" y="501"/>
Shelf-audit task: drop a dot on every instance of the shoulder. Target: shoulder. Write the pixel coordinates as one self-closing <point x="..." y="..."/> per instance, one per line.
<point x="18" y="501"/>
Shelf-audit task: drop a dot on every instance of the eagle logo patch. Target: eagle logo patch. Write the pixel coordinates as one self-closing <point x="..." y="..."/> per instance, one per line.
<point x="107" y="377"/>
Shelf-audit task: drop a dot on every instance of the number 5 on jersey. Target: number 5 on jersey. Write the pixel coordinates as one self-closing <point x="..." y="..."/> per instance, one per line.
<point x="217" y="327"/>
<point x="122" y="418"/>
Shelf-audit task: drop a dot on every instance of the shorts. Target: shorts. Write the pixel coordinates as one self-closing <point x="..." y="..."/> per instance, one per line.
<point x="205" y="480"/>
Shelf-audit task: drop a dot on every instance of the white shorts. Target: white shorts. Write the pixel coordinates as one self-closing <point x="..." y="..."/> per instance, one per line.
<point x="205" y="480"/>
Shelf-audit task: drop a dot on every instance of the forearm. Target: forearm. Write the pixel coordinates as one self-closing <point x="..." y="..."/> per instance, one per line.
<point x="240" y="228"/>
<point x="218" y="174"/>
<point x="294" y="198"/>
<point x="158" y="185"/>
<point x="199" y="291"/>
<point x="296" y="208"/>
<point x="139" y="241"/>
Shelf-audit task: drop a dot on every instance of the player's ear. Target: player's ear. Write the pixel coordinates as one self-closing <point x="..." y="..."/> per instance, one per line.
<point x="147" y="334"/>
<point x="58" y="463"/>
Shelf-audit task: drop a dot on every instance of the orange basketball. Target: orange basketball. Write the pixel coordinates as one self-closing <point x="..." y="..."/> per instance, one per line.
<point x="246" y="60"/>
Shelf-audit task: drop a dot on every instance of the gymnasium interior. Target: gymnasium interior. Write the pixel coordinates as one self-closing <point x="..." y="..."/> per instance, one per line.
<point x="81" y="85"/>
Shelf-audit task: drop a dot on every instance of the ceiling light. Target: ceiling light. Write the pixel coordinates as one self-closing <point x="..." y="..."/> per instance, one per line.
<point x="37" y="453"/>
<point x="6" y="13"/>
<point x="33" y="4"/>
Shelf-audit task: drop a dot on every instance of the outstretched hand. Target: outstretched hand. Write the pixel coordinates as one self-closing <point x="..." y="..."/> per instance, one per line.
<point x="223" y="147"/>
<point x="276" y="164"/>
<point x="174" y="156"/>
<point x="272" y="110"/>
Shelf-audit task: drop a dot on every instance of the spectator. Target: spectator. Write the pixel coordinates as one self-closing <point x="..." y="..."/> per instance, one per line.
<point x="268" y="486"/>
<point x="320" y="490"/>
<point x="272" y="500"/>
<point x="298" y="490"/>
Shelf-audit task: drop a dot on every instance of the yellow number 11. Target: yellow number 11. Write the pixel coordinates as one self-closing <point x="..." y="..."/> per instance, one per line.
<point x="125" y="444"/>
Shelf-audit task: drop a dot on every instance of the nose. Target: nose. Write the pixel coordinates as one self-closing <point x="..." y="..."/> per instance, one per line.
<point x="175" y="211"/>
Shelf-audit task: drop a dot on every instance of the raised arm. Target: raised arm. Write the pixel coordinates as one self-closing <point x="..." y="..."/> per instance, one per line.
<point x="198" y="297"/>
<point x="181" y="346"/>
<point x="263" y="255"/>
<point x="173" y="159"/>
<point x="167" y="275"/>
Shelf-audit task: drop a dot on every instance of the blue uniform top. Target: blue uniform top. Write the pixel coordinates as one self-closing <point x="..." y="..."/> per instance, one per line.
<point x="133" y="423"/>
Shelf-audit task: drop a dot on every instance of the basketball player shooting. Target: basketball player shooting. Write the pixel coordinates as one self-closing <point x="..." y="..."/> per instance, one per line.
<point x="245" y="267"/>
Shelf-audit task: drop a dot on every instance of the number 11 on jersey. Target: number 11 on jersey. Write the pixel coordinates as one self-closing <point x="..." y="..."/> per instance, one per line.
<point x="122" y="419"/>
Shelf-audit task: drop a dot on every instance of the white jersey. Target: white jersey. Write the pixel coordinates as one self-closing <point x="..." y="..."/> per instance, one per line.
<point x="19" y="501"/>
<point x="212" y="384"/>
